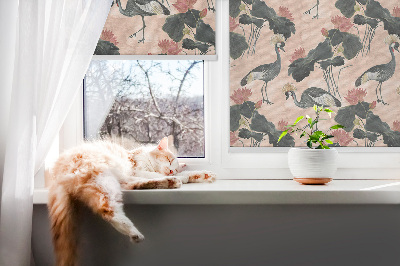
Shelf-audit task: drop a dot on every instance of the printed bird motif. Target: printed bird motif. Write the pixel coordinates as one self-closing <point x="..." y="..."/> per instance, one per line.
<point x="143" y="8"/>
<point x="314" y="96"/>
<point x="383" y="72"/>
<point x="267" y="72"/>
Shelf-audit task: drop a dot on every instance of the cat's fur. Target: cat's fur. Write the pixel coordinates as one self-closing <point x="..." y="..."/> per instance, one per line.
<point x="94" y="174"/>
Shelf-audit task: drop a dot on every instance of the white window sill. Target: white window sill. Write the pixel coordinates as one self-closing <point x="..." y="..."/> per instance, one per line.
<point x="264" y="192"/>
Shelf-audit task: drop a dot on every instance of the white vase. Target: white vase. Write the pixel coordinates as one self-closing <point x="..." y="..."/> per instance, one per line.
<point x="311" y="166"/>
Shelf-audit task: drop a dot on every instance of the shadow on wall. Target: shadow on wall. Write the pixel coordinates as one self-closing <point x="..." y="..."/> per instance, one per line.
<point x="236" y="235"/>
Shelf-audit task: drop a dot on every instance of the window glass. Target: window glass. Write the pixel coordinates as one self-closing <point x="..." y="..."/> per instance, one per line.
<point x="141" y="101"/>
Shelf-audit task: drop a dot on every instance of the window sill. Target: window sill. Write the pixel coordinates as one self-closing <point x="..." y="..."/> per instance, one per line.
<point x="264" y="192"/>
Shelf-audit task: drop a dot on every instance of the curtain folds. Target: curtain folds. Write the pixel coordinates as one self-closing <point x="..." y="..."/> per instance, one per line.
<point x="55" y="42"/>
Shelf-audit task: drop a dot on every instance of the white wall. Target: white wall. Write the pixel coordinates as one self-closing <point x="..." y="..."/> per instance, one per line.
<point x="248" y="235"/>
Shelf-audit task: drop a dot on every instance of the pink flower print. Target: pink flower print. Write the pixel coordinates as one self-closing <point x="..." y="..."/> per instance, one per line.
<point x="233" y="138"/>
<point x="184" y="5"/>
<point x="174" y="49"/>
<point x="325" y="32"/>
<point x="284" y="12"/>
<point x="169" y="47"/>
<point x="203" y="13"/>
<point x="372" y="105"/>
<point x="258" y="104"/>
<point x="164" y="44"/>
<point x="239" y="96"/>
<point x="396" y="125"/>
<point x="355" y="96"/>
<point x="282" y="126"/>
<point x="298" y="53"/>
<point x="107" y="35"/>
<point x="232" y="24"/>
<point x="396" y="12"/>
<point x="342" y="137"/>
<point x="342" y="23"/>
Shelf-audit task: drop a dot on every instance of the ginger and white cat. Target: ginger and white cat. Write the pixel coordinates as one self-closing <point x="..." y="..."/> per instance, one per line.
<point x="94" y="175"/>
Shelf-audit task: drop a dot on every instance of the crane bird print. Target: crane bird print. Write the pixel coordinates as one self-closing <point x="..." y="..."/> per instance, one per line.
<point x="143" y="8"/>
<point x="383" y="72"/>
<point x="341" y="55"/>
<point x="267" y="72"/>
<point x="161" y="27"/>
<point x="311" y="96"/>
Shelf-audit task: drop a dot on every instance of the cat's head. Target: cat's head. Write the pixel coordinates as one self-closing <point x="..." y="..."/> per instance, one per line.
<point x="164" y="161"/>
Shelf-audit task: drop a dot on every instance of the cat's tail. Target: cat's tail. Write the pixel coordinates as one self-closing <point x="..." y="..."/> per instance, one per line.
<point x="62" y="212"/>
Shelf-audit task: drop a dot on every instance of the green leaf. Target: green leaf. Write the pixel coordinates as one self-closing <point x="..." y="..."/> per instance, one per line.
<point x="238" y="45"/>
<point x="328" y="110"/>
<point x="303" y="134"/>
<point x="327" y="137"/>
<point x="315" y="107"/>
<point x="309" y="120"/>
<point x="191" y="45"/>
<point x="309" y="144"/>
<point x="336" y="126"/>
<point x="298" y="120"/>
<point x="316" y="135"/>
<point x="174" y="26"/>
<point x="106" y="48"/>
<point x="204" y="32"/>
<point x="282" y="135"/>
<point x="351" y="45"/>
<point x="247" y="134"/>
<point x="313" y="123"/>
<point x="322" y="146"/>
<point x="328" y="141"/>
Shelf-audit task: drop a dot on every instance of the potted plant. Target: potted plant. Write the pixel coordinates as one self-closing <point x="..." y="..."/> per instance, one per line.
<point x="317" y="163"/>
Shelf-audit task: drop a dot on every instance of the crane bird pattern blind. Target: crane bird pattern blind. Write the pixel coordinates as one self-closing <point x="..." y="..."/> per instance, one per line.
<point x="159" y="27"/>
<point x="287" y="56"/>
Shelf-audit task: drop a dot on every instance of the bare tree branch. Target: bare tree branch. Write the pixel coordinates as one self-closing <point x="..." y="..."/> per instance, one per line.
<point x="146" y="72"/>
<point x="182" y="81"/>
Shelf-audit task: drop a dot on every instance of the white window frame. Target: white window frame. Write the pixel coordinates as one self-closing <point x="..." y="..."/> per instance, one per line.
<point x="246" y="163"/>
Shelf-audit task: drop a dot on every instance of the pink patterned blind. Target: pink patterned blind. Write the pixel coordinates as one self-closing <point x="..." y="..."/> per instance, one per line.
<point x="159" y="27"/>
<point x="287" y="56"/>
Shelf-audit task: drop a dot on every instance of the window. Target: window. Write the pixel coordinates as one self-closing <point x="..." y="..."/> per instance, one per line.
<point x="217" y="155"/>
<point x="142" y="101"/>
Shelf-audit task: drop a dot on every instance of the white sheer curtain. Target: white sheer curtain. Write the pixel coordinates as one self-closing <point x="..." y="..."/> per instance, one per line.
<point x="54" y="44"/>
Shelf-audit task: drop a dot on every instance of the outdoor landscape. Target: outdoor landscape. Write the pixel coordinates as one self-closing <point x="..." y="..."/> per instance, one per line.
<point x="140" y="102"/>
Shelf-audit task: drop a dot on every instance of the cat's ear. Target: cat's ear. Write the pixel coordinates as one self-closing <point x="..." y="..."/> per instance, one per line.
<point x="171" y="146"/>
<point x="163" y="145"/>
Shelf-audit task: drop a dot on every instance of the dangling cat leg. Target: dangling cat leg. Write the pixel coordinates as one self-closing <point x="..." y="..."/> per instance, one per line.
<point x="197" y="177"/>
<point x="103" y="195"/>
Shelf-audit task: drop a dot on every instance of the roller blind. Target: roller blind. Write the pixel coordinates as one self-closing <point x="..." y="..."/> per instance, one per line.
<point x="153" y="28"/>
<point x="287" y="56"/>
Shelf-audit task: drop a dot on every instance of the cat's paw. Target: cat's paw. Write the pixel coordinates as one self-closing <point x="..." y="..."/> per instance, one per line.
<point x="174" y="182"/>
<point x="201" y="177"/>
<point x="182" y="167"/>
<point x="210" y="177"/>
<point x="137" y="237"/>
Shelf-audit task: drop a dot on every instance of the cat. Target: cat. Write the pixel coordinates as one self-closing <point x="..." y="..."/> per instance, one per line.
<point x="94" y="174"/>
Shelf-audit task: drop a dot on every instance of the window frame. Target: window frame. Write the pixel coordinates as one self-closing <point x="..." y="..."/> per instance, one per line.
<point x="245" y="163"/>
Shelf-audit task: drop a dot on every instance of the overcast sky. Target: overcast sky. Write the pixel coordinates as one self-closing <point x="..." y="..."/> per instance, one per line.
<point x="193" y="86"/>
